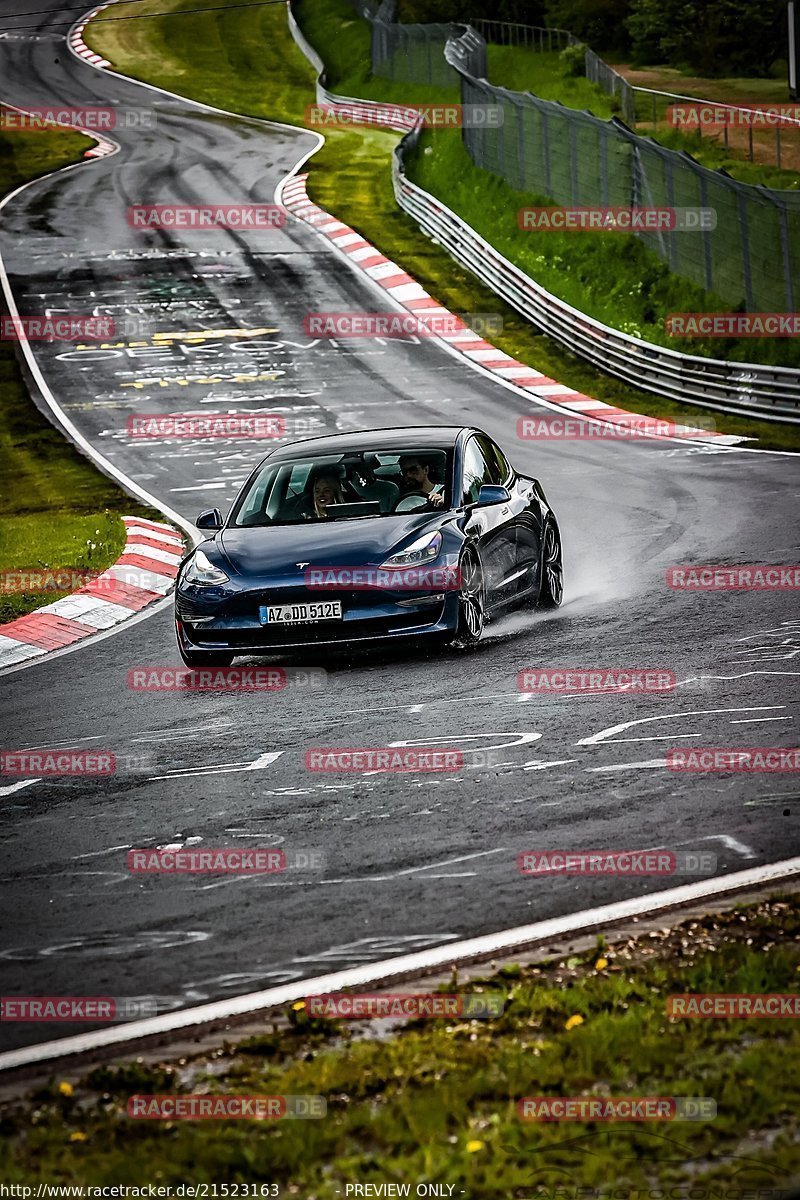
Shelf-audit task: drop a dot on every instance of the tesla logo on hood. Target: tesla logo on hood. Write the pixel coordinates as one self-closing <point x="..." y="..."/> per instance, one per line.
<point x="301" y="565"/>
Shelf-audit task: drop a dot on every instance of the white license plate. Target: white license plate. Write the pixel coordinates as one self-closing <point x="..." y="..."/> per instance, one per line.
<point x="296" y="614"/>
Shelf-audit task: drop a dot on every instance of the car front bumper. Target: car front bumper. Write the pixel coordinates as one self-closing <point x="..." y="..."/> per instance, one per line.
<point x="227" y="619"/>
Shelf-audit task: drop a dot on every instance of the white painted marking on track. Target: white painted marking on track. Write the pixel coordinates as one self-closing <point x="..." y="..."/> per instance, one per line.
<point x="258" y="764"/>
<point x="649" y="764"/>
<point x="606" y="735"/>
<point x="731" y="843"/>
<point x="17" y="787"/>
<point x="541" y="765"/>
<point x="760" y="720"/>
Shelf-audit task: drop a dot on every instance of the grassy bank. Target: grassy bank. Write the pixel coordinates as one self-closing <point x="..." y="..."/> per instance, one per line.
<point x="245" y="60"/>
<point x="436" y="1101"/>
<point x="59" y="513"/>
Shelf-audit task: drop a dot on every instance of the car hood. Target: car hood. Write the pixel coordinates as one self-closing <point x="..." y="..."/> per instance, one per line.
<point x="277" y="549"/>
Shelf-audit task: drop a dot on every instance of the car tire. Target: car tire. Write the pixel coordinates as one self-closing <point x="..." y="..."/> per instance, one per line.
<point x="471" y="602"/>
<point x="551" y="592"/>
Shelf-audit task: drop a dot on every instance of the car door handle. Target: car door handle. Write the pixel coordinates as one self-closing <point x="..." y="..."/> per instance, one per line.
<point x="505" y="511"/>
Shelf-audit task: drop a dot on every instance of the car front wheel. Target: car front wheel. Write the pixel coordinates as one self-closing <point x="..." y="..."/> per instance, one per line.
<point x="552" y="590"/>
<point x="471" y="602"/>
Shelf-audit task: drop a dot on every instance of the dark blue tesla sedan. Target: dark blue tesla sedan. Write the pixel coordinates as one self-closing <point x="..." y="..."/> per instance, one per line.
<point x="363" y="537"/>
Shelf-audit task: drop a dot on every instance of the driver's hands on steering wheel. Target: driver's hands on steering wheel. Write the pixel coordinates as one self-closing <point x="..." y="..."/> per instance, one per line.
<point x="435" y="500"/>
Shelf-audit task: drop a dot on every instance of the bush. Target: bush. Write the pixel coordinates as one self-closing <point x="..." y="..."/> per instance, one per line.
<point x="573" y="61"/>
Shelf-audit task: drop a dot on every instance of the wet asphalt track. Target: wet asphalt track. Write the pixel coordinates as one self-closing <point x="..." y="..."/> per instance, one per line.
<point x="410" y="861"/>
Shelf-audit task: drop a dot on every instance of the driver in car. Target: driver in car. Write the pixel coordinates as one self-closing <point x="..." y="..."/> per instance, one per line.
<point x="417" y="480"/>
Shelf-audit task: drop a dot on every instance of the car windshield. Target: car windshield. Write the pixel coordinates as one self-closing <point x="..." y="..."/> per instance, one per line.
<point x="346" y="486"/>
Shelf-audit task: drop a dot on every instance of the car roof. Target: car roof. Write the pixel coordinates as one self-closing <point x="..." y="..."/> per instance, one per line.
<point x="408" y="438"/>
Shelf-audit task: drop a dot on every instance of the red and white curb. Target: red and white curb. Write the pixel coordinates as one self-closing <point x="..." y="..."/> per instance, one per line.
<point x="78" y="45"/>
<point x="144" y="573"/>
<point x="414" y="299"/>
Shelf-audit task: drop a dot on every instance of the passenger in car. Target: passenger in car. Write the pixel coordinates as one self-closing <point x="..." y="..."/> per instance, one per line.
<point x="322" y="488"/>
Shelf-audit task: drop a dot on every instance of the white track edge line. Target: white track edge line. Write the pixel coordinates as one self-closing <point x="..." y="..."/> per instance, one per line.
<point x="402" y="966"/>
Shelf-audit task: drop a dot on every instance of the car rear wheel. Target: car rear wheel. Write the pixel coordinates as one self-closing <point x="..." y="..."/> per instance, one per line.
<point x="552" y="590"/>
<point x="203" y="658"/>
<point x="471" y="602"/>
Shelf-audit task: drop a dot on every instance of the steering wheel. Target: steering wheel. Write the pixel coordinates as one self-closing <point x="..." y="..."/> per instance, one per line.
<point x="403" y="505"/>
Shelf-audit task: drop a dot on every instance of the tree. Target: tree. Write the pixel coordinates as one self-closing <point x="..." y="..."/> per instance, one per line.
<point x="717" y="37"/>
<point x="599" y="23"/>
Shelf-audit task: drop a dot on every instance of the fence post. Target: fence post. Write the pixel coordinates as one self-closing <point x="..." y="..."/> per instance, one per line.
<point x="744" y="239"/>
<point x="573" y="159"/>
<point x="545" y="149"/>
<point x="604" y="199"/>
<point x="786" y="255"/>
<point x="708" y="262"/>
<point x="672" y="250"/>
<point x="519" y="117"/>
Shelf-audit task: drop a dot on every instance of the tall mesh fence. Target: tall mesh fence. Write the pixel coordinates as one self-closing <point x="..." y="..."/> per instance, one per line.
<point x="612" y="83"/>
<point x="751" y="258"/>
<point x="413" y="53"/>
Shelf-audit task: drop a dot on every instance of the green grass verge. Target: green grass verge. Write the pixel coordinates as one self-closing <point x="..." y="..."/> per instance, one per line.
<point x="59" y="512"/>
<point x="245" y="60"/>
<point x="436" y="1101"/>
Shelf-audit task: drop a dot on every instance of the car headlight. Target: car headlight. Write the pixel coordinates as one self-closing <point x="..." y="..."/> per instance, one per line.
<point x="200" y="570"/>
<point x="424" y="550"/>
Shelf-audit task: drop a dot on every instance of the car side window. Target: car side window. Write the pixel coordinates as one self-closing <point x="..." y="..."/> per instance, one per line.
<point x="476" y="471"/>
<point x="503" y="465"/>
<point x="497" y="468"/>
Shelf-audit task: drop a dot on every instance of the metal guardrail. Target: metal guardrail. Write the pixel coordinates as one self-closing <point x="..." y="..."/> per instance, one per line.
<point x="747" y="389"/>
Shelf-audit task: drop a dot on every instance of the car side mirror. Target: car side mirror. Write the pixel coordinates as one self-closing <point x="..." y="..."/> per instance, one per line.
<point x="210" y="519"/>
<point x="492" y="493"/>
